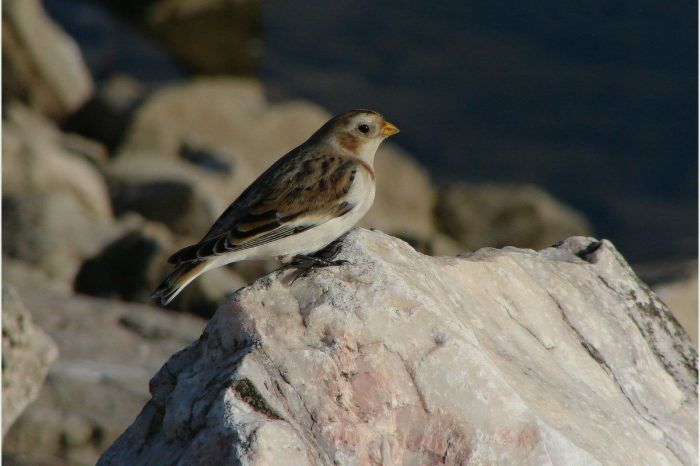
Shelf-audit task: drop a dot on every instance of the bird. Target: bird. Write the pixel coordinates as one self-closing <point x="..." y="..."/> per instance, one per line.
<point x="303" y="202"/>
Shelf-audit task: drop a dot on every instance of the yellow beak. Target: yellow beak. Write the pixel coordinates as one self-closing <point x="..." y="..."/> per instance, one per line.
<point x="389" y="129"/>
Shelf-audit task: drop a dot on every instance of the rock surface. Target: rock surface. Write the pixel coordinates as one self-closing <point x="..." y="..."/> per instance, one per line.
<point x="27" y="354"/>
<point x="508" y="356"/>
<point x="107" y="352"/>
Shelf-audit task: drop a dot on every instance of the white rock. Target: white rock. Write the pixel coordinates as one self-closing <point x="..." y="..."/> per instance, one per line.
<point x="498" y="357"/>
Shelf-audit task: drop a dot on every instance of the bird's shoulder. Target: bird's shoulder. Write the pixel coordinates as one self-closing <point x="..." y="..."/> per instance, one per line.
<point x="309" y="179"/>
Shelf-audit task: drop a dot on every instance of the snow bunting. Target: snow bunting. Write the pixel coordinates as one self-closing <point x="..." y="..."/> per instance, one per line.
<point x="299" y="205"/>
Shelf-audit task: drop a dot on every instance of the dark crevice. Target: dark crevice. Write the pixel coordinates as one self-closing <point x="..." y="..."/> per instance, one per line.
<point x="527" y="329"/>
<point x="588" y="250"/>
<point x="252" y="396"/>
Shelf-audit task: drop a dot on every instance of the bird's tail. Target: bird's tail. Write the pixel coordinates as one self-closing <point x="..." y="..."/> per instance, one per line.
<point x="178" y="279"/>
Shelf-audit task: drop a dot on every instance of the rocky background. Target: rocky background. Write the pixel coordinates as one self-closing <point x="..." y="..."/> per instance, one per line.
<point x="106" y="173"/>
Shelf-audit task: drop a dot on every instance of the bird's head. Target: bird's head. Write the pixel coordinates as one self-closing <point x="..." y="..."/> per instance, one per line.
<point x="358" y="132"/>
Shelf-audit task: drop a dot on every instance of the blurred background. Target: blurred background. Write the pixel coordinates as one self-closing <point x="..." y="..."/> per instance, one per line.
<point x="128" y="126"/>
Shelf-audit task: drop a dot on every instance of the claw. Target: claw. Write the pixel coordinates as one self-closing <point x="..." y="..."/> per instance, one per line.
<point x="323" y="258"/>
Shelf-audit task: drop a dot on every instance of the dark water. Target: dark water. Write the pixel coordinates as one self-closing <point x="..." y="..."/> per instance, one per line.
<point x="596" y="101"/>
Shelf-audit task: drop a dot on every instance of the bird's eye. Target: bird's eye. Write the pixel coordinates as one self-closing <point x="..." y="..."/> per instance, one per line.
<point x="363" y="128"/>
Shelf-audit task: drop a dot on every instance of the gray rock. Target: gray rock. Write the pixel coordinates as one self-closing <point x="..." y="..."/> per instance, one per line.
<point x="128" y="268"/>
<point x="171" y="202"/>
<point x="43" y="65"/>
<point x="49" y="230"/>
<point x="27" y="354"/>
<point x="501" y="356"/>
<point x="92" y="151"/>
<point x="108" y="351"/>
<point x="56" y="205"/>
<point x="132" y="266"/>
<point x="172" y="191"/>
<point x="35" y="158"/>
<point x="498" y="215"/>
<point x="107" y="115"/>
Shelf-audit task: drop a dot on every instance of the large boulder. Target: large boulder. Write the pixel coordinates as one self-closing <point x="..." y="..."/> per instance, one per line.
<point x="42" y="64"/>
<point x="27" y="354"/>
<point x="511" y="356"/>
<point x="108" y="350"/>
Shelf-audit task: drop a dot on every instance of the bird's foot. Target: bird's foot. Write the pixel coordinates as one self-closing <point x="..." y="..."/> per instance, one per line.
<point x="323" y="258"/>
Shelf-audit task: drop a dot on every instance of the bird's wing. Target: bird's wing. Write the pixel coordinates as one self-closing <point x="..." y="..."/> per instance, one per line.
<point x="300" y="191"/>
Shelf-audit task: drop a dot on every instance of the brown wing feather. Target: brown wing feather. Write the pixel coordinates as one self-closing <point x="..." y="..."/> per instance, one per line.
<point x="304" y="183"/>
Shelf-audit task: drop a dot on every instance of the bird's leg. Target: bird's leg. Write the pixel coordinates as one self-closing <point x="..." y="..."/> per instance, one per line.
<point x="322" y="258"/>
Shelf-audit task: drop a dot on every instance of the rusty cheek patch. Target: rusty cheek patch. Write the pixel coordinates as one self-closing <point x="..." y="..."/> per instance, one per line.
<point x="349" y="142"/>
